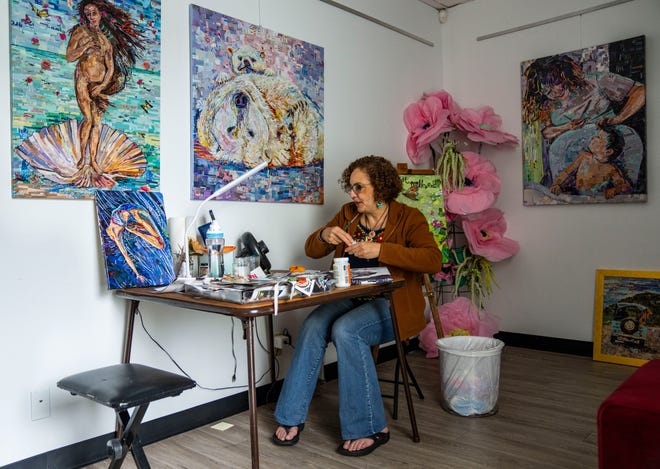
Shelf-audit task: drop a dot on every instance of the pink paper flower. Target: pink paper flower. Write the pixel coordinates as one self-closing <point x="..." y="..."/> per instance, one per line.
<point x="484" y="232"/>
<point x="425" y="120"/>
<point x="482" y="186"/>
<point x="483" y="125"/>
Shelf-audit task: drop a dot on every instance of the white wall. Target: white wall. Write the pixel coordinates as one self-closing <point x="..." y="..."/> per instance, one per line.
<point x="548" y="288"/>
<point x="57" y="316"/>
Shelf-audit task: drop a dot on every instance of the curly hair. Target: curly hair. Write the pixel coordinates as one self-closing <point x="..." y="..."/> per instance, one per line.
<point x="383" y="176"/>
<point x="547" y="72"/>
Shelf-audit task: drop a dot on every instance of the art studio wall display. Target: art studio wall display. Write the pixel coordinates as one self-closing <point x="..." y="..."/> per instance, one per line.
<point x="85" y="96"/>
<point x="134" y="238"/>
<point x="627" y="316"/>
<point x="257" y="95"/>
<point x="584" y="125"/>
<point x="424" y="192"/>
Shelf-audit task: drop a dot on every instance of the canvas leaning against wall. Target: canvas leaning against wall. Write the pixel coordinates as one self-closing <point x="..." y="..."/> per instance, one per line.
<point x="85" y="96"/>
<point x="584" y="125"/>
<point x="257" y="95"/>
<point x="627" y="316"/>
<point x="134" y="239"/>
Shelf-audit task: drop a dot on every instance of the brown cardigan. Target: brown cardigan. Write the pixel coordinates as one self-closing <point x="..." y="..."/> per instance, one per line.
<point x="408" y="249"/>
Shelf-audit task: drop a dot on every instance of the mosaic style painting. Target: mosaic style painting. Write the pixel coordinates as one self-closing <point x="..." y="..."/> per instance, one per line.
<point x="134" y="238"/>
<point x="85" y="96"/>
<point x="584" y="125"/>
<point x="256" y="96"/>
<point x="424" y="192"/>
<point x="626" y="319"/>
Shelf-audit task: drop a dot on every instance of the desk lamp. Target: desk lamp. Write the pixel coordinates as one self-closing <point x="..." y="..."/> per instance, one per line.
<point x="184" y="273"/>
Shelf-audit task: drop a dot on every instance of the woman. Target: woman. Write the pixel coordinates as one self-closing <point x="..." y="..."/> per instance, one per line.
<point x="105" y="45"/>
<point x="562" y="101"/>
<point x="373" y="230"/>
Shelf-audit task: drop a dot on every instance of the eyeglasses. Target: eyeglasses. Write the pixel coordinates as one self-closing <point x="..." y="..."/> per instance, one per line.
<point x="357" y="187"/>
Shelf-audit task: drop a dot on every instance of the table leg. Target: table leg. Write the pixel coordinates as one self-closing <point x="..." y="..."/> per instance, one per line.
<point x="404" y="367"/>
<point x="128" y="331"/>
<point x="271" y="348"/>
<point x="248" y="327"/>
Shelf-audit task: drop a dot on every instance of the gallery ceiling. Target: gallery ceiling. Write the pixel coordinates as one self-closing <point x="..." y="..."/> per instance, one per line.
<point x="442" y="4"/>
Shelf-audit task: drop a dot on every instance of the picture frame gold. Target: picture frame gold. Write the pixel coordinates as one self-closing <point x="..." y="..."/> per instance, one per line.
<point x="627" y="316"/>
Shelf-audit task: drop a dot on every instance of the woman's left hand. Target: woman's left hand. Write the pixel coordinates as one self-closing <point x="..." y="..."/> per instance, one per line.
<point x="364" y="250"/>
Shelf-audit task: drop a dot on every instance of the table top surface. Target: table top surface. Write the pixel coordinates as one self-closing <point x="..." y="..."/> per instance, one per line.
<point x="258" y="308"/>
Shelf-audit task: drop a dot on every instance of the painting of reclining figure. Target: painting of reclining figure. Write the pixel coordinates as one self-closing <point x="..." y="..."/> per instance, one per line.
<point x="256" y="96"/>
<point x="584" y="125"/>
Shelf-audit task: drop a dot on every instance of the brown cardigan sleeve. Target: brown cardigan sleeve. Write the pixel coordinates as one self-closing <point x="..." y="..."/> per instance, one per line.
<point x="408" y="250"/>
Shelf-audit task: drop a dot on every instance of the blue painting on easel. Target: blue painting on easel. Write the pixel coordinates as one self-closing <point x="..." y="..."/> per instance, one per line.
<point x="134" y="239"/>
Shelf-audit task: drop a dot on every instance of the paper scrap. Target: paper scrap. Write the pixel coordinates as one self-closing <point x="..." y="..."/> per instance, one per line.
<point x="222" y="426"/>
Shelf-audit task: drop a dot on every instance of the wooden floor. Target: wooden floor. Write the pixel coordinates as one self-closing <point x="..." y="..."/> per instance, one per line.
<point x="546" y="419"/>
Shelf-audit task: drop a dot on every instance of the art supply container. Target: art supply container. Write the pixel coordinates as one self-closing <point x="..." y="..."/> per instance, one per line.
<point x="341" y="271"/>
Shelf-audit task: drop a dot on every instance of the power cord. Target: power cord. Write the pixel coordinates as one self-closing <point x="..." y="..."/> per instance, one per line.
<point x="144" y="327"/>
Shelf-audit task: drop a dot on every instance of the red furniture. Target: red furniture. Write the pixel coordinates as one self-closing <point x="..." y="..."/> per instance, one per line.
<point x="629" y="422"/>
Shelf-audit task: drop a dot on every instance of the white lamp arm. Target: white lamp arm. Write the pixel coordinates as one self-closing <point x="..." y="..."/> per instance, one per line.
<point x="185" y="273"/>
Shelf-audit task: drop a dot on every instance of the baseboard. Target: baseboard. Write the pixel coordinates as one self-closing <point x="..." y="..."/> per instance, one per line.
<point x="90" y="451"/>
<point x="547" y="344"/>
<point x="93" y="450"/>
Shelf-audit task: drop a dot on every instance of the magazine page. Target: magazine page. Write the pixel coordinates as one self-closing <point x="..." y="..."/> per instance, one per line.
<point x="370" y="275"/>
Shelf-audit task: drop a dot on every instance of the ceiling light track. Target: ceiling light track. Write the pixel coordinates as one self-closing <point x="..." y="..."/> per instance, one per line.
<point x="377" y="21"/>
<point x="552" y="20"/>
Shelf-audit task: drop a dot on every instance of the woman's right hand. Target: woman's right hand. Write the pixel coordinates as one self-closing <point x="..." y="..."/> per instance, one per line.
<point x="335" y="235"/>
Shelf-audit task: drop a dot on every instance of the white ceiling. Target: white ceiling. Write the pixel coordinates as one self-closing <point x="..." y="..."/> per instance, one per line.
<point x="441" y="4"/>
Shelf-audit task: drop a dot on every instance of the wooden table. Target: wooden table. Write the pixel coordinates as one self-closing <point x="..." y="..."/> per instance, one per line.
<point x="247" y="313"/>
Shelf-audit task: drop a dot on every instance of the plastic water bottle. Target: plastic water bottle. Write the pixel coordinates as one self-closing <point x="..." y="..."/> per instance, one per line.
<point x="215" y="244"/>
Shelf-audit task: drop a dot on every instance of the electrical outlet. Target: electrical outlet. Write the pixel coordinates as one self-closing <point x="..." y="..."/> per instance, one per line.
<point x="40" y="403"/>
<point x="280" y="340"/>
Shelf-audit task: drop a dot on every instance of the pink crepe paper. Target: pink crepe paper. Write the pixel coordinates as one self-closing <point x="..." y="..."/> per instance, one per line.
<point x="484" y="232"/>
<point x="483" y="125"/>
<point x="458" y="317"/>
<point x="425" y="120"/>
<point x="481" y="189"/>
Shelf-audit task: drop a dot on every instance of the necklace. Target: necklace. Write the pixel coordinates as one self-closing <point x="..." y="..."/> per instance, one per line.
<point x="378" y="226"/>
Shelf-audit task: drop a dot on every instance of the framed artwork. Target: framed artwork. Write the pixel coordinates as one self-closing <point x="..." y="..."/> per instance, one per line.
<point x="256" y="96"/>
<point x="424" y="192"/>
<point x="584" y="125"/>
<point x="134" y="239"/>
<point x="85" y="96"/>
<point x="627" y="316"/>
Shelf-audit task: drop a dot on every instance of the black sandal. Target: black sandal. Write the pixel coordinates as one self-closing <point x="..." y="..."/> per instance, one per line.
<point x="379" y="439"/>
<point x="293" y="440"/>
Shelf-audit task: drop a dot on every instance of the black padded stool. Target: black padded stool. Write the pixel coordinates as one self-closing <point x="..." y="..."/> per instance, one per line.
<point x="123" y="387"/>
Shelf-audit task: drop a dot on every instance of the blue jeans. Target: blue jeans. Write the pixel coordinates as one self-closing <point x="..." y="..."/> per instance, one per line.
<point x="353" y="328"/>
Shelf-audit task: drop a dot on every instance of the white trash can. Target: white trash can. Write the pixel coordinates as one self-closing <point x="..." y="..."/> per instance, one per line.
<point x="470" y="374"/>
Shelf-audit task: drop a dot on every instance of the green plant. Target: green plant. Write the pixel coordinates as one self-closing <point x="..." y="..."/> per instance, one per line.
<point x="475" y="273"/>
<point x="451" y="167"/>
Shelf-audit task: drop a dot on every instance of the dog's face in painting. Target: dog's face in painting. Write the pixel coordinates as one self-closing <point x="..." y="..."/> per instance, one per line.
<point x="246" y="59"/>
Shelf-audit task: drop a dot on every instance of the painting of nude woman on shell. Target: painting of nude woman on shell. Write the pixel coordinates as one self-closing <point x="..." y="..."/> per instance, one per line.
<point x="134" y="238"/>
<point x="256" y="96"/>
<point x="584" y="125"/>
<point x="85" y="96"/>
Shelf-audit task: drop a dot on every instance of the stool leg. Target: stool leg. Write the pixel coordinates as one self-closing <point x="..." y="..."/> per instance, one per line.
<point x="128" y="439"/>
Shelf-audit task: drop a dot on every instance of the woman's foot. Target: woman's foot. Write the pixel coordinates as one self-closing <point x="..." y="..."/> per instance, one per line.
<point x="287" y="435"/>
<point x="364" y="446"/>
